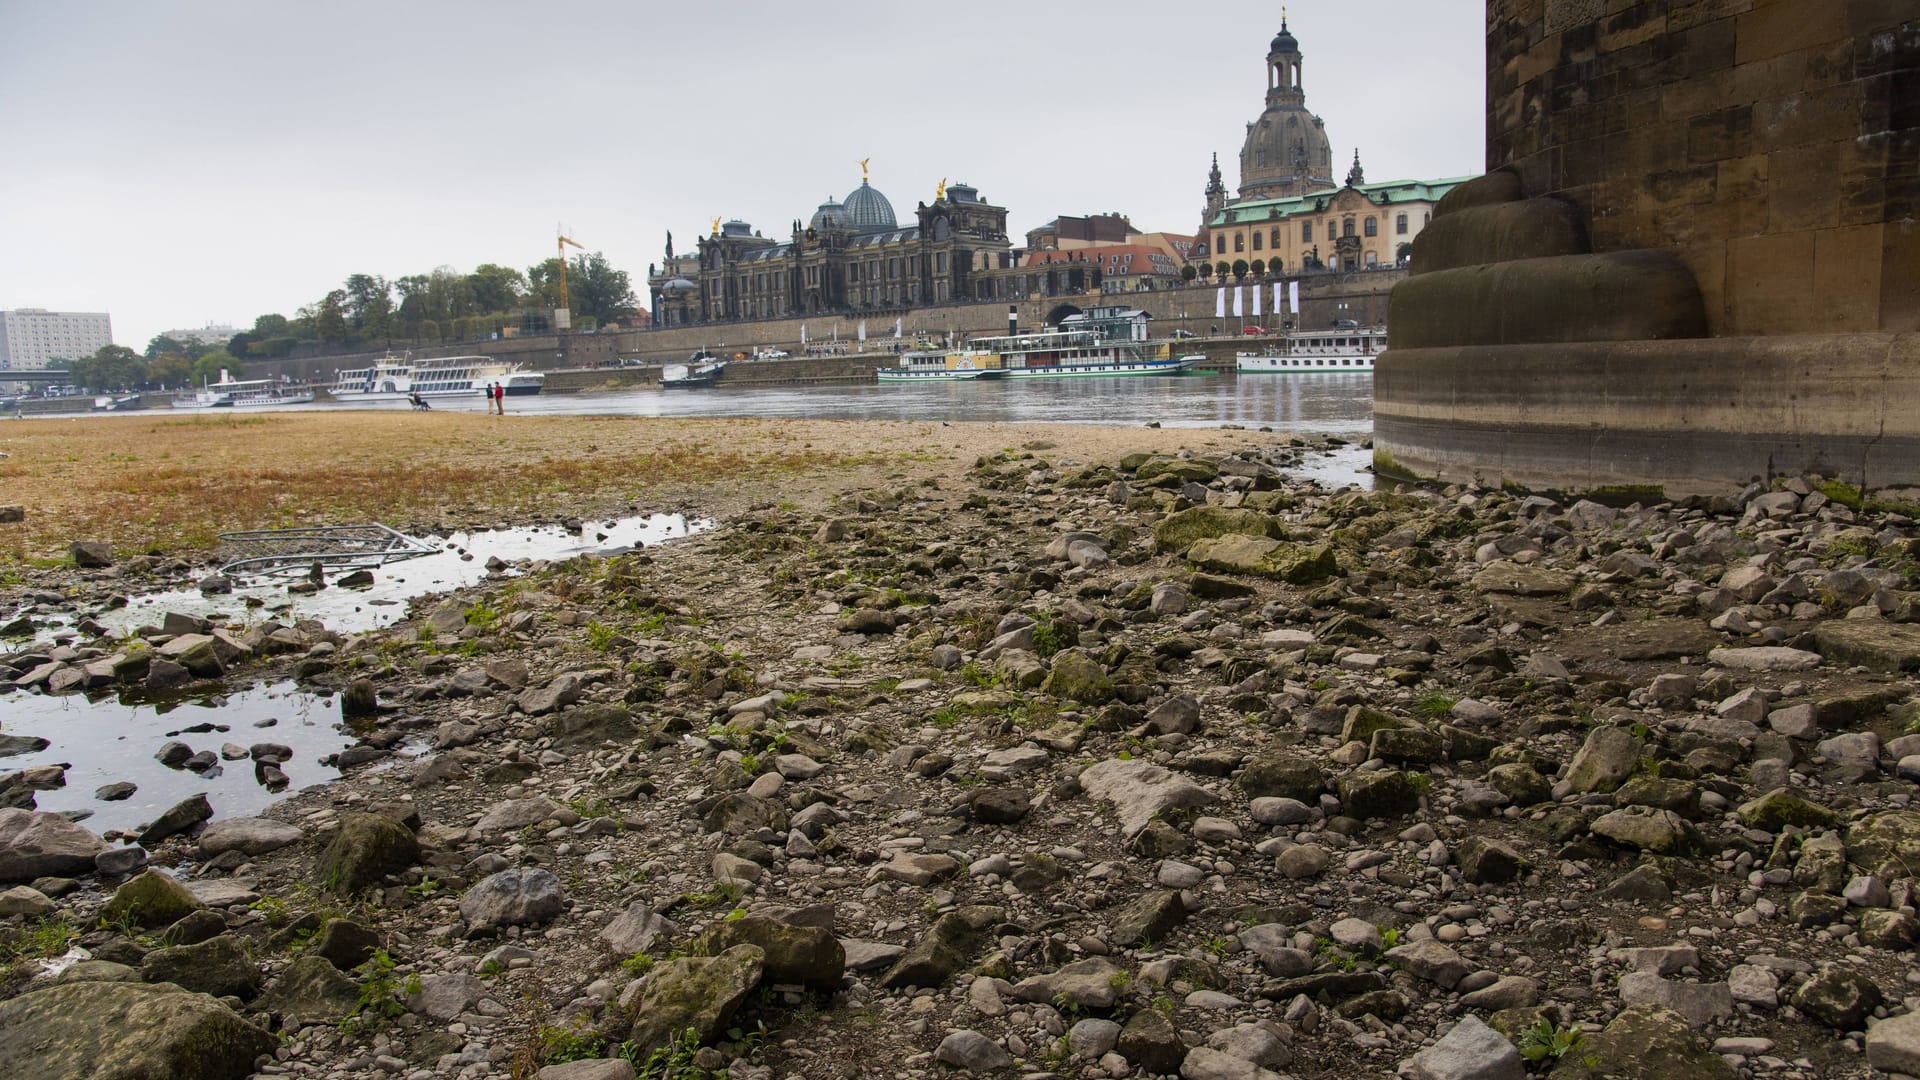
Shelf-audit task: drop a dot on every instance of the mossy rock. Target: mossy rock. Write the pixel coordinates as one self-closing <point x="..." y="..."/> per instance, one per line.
<point x="1644" y="1041"/>
<point x="367" y="848"/>
<point x="1184" y="470"/>
<point x="1889" y="841"/>
<point x="1295" y="564"/>
<point x="1180" y="531"/>
<point x="311" y="991"/>
<point x="807" y="955"/>
<point x="150" y="900"/>
<point x="694" y="992"/>
<point x="1781" y="807"/>
<point x="218" y="966"/>
<point x="126" y="1031"/>
<point x="1075" y="676"/>
<point x="1378" y="794"/>
<point x="1283" y="775"/>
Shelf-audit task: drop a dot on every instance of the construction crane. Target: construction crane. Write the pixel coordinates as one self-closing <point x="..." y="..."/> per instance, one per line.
<point x="565" y="319"/>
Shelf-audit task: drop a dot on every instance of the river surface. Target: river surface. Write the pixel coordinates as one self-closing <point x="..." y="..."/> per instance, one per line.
<point x="1336" y="404"/>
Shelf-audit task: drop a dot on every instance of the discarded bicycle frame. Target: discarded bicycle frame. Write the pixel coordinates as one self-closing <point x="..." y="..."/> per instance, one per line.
<point x="332" y="548"/>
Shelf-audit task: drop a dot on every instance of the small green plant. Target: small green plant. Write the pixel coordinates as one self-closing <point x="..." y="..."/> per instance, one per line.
<point x="638" y="964"/>
<point x="1389" y="937"/>
<point x="1422" y="782"/>
<point x="1436" y="706"/>
<point x="489" y="968"/>
<point x="425" y="887"/>
<point x="1120" y="980"/>
<point x="379" y="994"/>
<point x="482" y="617"/>
<point x="271" y="909"/>
<point x="1546" y="1039"/>
<point x="41" y="940"/>
<point x="1048" y="636"/>
<point x="595" y="807"/>
<point x="672" y="1061"/>
<point x="559" y="1045"/>
<point x="600" y="636"/>
<point x="1218" y="945"/>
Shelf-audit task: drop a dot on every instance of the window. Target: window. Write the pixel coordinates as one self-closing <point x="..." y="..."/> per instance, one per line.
<point x="1400" y="225"/>
<point x="1239" y="241"/>
<point x="1373" y="228"/>
<point x="1219" y="243"/>
<point x="1373" y="259"/>
<point x="1306" y="232"/>
<point x="940" y="267"/>
<point x="1273" y="241"/>
<point x="1256" y="241"/>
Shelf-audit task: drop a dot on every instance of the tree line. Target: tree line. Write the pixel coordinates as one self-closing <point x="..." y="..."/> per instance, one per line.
<point x="368" y="311"/>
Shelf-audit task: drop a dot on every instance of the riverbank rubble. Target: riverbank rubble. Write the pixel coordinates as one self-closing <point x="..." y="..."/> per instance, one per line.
<point x="1161" y="765"/>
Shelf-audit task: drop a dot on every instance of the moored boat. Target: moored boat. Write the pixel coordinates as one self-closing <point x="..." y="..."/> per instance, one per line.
<point x="399" y="378"/>
<point x="1104" y="342"/>
<point x="701" y="370"/>
<point x="1317" y="352"/>
<point x="231" y="393"/>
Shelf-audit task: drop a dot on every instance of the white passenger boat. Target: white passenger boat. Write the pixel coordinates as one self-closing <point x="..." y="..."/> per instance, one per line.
<point x="397" y="378"/>
<point x="231" y="393"/>
<point x="1317" y="352"/>
<point x="1104" y="342"/>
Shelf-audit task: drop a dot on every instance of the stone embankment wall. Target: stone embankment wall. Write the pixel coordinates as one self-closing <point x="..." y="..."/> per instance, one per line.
<point x="1692" y="261"/>
<point x="1360" y="296"/>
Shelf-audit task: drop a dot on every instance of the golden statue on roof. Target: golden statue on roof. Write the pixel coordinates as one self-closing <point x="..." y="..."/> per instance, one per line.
<point x="941" y="191"/>
<point x="716" y="226"/>
<point x="863" y="168"/>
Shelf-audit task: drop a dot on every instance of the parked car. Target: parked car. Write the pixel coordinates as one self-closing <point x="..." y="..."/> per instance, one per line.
<point x="771" y="354"/>
<point x="1184" y="334"/>
<point x="1254" y="330"/>
<point x="1346" y="324"/>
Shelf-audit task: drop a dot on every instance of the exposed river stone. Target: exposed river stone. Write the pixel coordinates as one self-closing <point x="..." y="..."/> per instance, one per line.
<point x="35" y="845"/>
<point x="697" y="992"/>
<point x="126" y="1031"/>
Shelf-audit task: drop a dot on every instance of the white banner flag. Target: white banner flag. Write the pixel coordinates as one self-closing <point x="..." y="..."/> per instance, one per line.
<point x="896" y="328"/>
<point x="1220" y="303"/>
<point x="1276" y="298"/>
<point x="1237" y="305"/>
<point x="1256" y="301"/>
<point x="1293" y="297"/>
<point x="863" y="329"/>
<point x="803" y="333"/>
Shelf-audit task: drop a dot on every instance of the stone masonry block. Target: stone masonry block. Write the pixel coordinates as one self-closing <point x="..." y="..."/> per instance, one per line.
<point x="1788" y="25"/>
<point x="1846" y="275"/>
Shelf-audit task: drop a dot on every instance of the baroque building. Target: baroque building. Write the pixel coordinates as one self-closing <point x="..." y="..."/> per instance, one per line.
<point x="1290" y="215"/>
<point x="850" y="256"/>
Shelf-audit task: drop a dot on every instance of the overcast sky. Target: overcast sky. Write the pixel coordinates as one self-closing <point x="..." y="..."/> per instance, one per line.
<point x="180" y="163"/>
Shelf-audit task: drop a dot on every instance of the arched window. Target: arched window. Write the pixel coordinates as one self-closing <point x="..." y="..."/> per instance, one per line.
<point x="1349" y="228"/>
<point x="1239" y="241"/>
<point x="1400" y="225"/>
<point x="1256" y="239"/>
<point x="1373" y="227"/>
<point x="1274" y="240"/>
<point x="1306" y="232"/>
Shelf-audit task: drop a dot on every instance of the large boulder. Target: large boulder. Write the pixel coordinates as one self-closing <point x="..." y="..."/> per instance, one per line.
<point x="248" y="836"/>
<point x="807" y="955"/>
<point x="1140" y="791"/>
<point x="1880" y="646"/>
<point x="694" y="992"/>
<point x="1295" y="564"/>
<point x="126" y="1031"/>
<point x="1076" y="676"/>
<point x="1890" y="840"/>
<point x="1283" y="775"/>
<point x="1178" y="532"/>
<point x="946" y="947"/>
<point x="1605" y="760"/>
<point x="219" y="966"/>
<point x="35" y="845"/>
<point x="150" y="900"/>
<point x="516" y="897"/>
<point x="1471" y="1051"/>
<point x="1644" y="1041"/>
<point x="311" y="991"/>
<point x="367" y="848"/>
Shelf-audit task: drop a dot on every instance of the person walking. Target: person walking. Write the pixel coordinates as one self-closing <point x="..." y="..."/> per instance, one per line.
<point x="500" y="397"/>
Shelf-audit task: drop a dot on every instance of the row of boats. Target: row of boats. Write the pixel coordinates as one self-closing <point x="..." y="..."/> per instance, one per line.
<point x="388" y="379"/>
<point x="1106" y="342"/>
<point x="1103" y="342"/>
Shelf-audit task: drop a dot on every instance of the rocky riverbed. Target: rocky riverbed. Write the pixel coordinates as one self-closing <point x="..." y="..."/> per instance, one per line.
<point x="1128" y="764"/>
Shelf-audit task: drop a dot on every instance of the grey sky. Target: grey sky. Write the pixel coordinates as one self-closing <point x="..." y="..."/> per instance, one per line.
<point x="178" y="163"/>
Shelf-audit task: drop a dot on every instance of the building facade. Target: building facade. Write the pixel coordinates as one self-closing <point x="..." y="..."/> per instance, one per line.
<point x="849" y="257"/>
<point x="31" y="338"/>
<point x="1290" y="215"/>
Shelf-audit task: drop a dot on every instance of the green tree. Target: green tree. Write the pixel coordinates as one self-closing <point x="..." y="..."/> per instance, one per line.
<point x="1259" y="268"/>
<point x="330" y="317"/>
<point x="1239" y="269"/>
<point x="208" y="367"/>
<point x="113" y="367"/>
<point x="496" y="289"/>
<point x="170" y="370"/>
<point x="1221" y="270"/>
<point x="161" y="343"/>
<point x="1188" y="273"/>
<point x="594" y="287"/>
<point x="369" y="306"/>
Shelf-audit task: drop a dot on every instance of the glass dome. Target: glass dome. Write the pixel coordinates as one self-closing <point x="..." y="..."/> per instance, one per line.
<point x="868" y="210"/>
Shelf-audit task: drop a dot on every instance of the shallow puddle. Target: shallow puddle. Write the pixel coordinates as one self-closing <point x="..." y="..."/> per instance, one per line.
<point x="112" y="739"/>
<point x="460" y="561"/>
